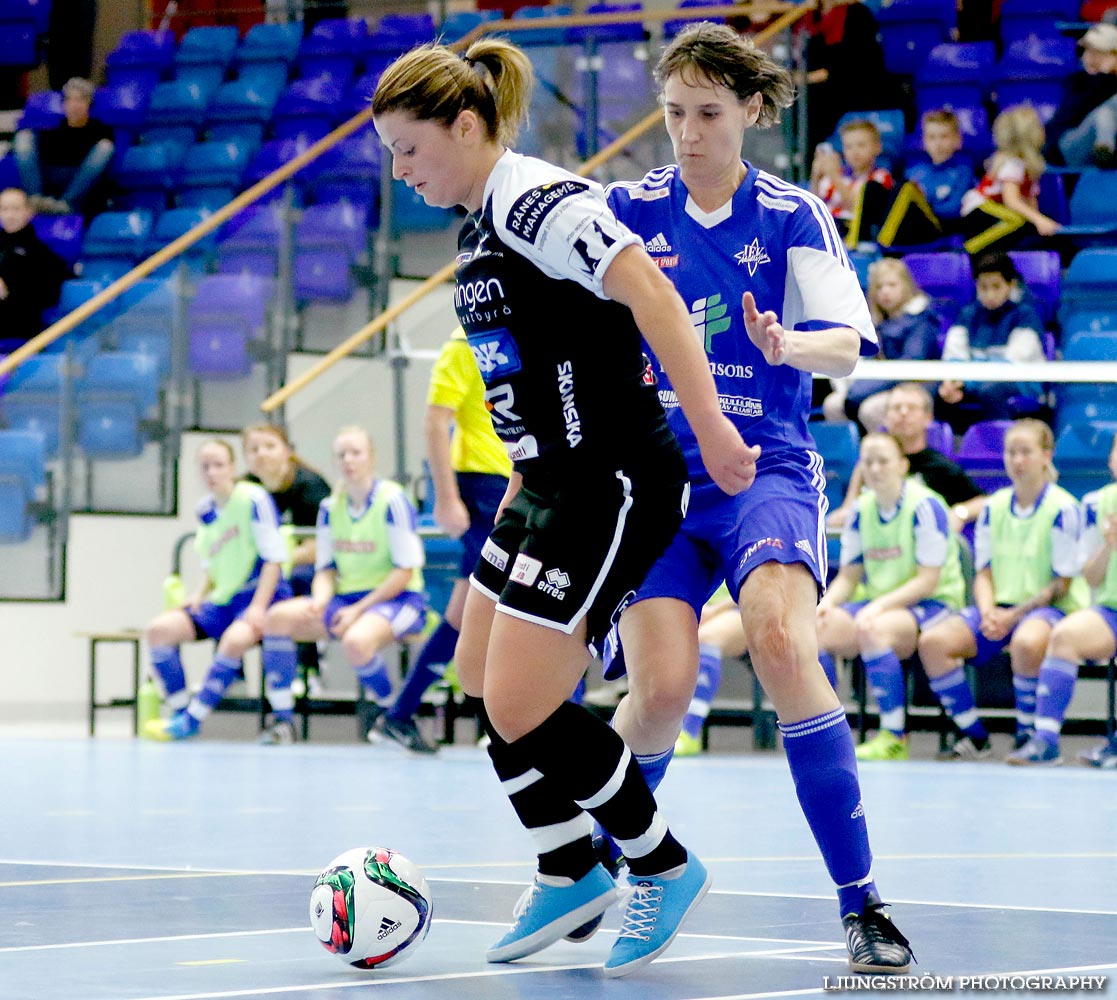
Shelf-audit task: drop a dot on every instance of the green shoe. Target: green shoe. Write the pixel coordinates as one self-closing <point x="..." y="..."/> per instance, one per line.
<point x="883" y="746"/>
<point x="687" y="745"/>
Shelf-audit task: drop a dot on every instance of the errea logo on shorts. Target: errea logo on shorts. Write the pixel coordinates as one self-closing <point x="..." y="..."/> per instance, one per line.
<point x="525" y="570"/>
<point x="555" y="582"/>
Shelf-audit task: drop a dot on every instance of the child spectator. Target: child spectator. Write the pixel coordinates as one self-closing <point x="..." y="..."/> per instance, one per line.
<point x="1003" y="209"/>
<point x="31" y="274"/>
<point x="947" y="173"/>
<point x="856" y="190"/>
<point x="61" y="166"/>
<point x="906" y="328"/>
<point x="994" y="328"/>
<point x="1083" y="130"/>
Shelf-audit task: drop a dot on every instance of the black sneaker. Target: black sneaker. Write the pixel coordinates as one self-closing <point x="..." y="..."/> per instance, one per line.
<point x="405" y="733"/>
<point x="281" y="733"/>
<point x="874" y="942"/>
<point x="603" y="848"/>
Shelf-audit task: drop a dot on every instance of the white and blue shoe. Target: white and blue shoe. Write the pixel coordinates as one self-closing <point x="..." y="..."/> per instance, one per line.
<point x="547" y="913"/>
<point x="656" y="907"/>
<point x="1104" y="755"/>
<point x="1035" y="753"/>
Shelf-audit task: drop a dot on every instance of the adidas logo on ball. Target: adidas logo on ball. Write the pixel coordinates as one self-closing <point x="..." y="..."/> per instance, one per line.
<point x="387" y="925"/>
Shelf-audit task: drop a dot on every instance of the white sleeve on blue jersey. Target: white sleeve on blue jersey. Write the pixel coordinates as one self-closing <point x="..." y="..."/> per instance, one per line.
<point x="932" y="532"/>
<point x="824" y="289"/>
<point x="403" y="539"/>
<point x="323" y="537"/>
<point x="265" y="526"/>
<point x="853" y="552"/>
<point x="981" y="543"/>
<point x="1066" y="533"/>
<point x="557" y="220"/>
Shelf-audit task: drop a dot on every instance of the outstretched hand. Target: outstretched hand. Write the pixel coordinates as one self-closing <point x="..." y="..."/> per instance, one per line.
<point x="765" y="331"/>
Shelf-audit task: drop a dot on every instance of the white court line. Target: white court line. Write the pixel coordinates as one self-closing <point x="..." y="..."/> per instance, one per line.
<point x="152" y="940"/>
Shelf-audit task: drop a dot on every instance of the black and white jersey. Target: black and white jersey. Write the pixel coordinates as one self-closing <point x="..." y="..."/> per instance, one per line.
<point x="566" y="380"/>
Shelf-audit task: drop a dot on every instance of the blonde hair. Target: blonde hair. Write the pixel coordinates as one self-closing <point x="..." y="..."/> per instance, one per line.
<point x="890" y="266"/>
<point x="492" y="78"/>
<point x="941" y="116"/>
<point x="280" y="434"/>
<point x="885" y="436"/>
<point x="223" y="445"/>
<point x="727" y="59"/>
<point x="861" y="125"/>
<point x="1044" y="437"/>
<point x="1018" y="133"/>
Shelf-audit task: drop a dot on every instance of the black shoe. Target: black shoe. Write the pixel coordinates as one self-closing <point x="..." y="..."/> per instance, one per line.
<point x="603" y="848"/>
<point x="874" y="942"/>
<point x="405" y="733"/>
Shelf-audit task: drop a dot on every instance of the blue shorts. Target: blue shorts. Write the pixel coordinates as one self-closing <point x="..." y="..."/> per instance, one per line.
<point x="211" y="620"/>
<point x="926" y="613"/>
<point x="780" y="518"/>
<point x="407" y="613"/>
<point x="988" y="648"/>
<point x="481" y="492"/>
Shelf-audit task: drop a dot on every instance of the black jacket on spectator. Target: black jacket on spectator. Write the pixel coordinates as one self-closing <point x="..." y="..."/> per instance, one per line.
<point x="1082" y="92"/>
<point x="66" y="146"/>
<point x="32" y="274"/>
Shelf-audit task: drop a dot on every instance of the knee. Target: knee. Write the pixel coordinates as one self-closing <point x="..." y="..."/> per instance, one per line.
<point x="470" y="666"/>
<point x="933" y="649"/>
<point x="1025" y="649"/>
<point x="662" y="695"/>
<point x="869" y="636"/>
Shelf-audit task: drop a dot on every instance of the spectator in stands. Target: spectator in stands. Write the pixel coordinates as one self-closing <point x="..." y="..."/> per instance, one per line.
<point x="31" y="274"/>
<point x="908" y="417"/>
<point x="367" y="590"/>
<point x="995" y="327"/>
<point x="242" y="552"/>
<point x="947" y="173"/>
<point x="907" y="327"/>
<point x="469" y="471"/>
<point x="1083" y="130"/>
<point x="297" y="490"/>
<point x="1087" y="634"/>
<point x="845" y="65"/>
<point x="1003" y="209"/>
<point x="61" y="166"/>
<point x="853" y="186"/>
<point x="1027" y="563"/>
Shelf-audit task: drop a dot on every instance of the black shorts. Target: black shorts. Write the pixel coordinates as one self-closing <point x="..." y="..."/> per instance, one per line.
<point x="581" y="551"/>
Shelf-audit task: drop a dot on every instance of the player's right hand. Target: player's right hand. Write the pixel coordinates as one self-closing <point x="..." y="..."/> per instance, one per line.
<point x="729" y="461"/>
<point x="452" y="517"/>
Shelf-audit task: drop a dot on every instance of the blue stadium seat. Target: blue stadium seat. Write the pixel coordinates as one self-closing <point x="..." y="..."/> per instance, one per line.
<point x="1080" y="453"/>
<point x="22" y="476"/>
<point x="1086" y="323"/>
<point x="907" y="43"/>
<point x="118" y="234"/>
<point x="208" y="198"/>
<point x="459" y="23"/>
<point x="318" y="98"/>
<point x="1093" y="205"/>
<point x="940" y="436"/>
<point x="207" y="46"/>
<point x="246" y="296"/>
<point x="245" y="100"/>
<point x="673" y="27"/>
<point x="632" y="32"/>
<point x="394" y="34"/>
<point x="176" y="135"/>
<point x="1091" y="345"/>
<point x="270" y="43"/>
<point x="981" y="453"/>
<point x="1021" y="19"/>
<point x="104" y="270"/>
<point x="249" y="242"/>
<point x="209" y="78"/>
<point x="179" y="102"/>
<point x="946" y="277"/>
<point x="411" y="214"/>
<point x="218" y="347"/>
<point x="177" y="222"/>
<point x="111" y="400"/>
<point x="958" y="62"/>
<point x="890" y="124"/>
<point x="150" y="166"/>
<point x="121" y="107"/>
<point x="839" y="445"/>
<point x="19" y="44"/>
<point x="62" y="233"/>
<point x="1101" y="409"/>
<point x="43" y="109"/>
<point x="1090" y="282"/>
<point x="541" y="36"/>
<point x="323" y="275"/>
<point x="360" y="94"/>
<point x="1041" y="272"/>
<point x="32" y="400"/>
<point x="214" y="164"/>
<point x="861" y="261"/>
<point x="144" y="51"/>
<point x="334" y="46"/>
<point x="340" y="225"/>
<point x="351" y="171"/>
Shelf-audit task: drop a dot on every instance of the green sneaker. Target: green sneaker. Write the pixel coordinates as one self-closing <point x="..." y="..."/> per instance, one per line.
<point x="883" y="746"/>
<point x="688" y="746"/>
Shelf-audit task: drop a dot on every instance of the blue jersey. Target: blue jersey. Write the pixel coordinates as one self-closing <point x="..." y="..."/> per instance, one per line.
<point x="775" y="240"/>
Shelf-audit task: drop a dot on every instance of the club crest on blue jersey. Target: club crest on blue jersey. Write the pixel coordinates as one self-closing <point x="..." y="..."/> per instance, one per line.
<point x="495" y="353"/>
<point x="752" y="256"/>
<point x="527" y="215"/>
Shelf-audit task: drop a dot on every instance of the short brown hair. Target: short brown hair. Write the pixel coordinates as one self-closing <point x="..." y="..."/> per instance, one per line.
<point x="941" y="116"/>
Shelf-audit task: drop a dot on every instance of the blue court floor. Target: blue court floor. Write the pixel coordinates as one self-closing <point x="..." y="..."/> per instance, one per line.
<point x="133" y="870"/>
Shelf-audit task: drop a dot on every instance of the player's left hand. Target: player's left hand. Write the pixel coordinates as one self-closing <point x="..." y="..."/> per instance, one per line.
<point x="254" y="616"/>
<point x="341" y="621"/>
<point x="765" y="331"/>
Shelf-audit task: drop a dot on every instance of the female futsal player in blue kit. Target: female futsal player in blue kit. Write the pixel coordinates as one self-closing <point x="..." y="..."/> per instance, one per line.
<point x="727" y="233"/>
<point x="554" y="295"/>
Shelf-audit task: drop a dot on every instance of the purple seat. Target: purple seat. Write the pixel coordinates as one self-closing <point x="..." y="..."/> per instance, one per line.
<point x="153" y="51"/>
<point x="218" y="347"/>
<point x="42" y="110"/>
<point x="1041" y="273"/>
<point x="260" y="261"/>
<point x="625" y="32"/>
<point x="340" y="226"/>
<point x="945" y="277"/>
<point x="121" y="107"/>
<point x="940" y="436"/>
<point x="672" y="28"/>
<point x="245" y="296"/>
<point x="255" y="227"/>
<point x="983" y="445"/>
<point x="323" y="275"/>
<point x="273" y="155"/>
<point x="62" y="233"/>
<point x="394" y="34"/>
<point x="317" y="98"/>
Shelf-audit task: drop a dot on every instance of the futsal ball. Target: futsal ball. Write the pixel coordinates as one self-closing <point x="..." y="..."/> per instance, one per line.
<point x="371" y="907"/>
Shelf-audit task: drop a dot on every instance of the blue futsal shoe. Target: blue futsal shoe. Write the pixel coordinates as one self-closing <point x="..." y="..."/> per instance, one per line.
<point x="654" y="912"/>
<point x="610" y="856"/>
<point x="181" y="726"/>
<point x="547" y="913"/>
<point x="1035" y="753"/>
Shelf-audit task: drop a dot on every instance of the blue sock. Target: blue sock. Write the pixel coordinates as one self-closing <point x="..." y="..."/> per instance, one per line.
<point x="280" y="663"/>
<point x="430" y="664"/>
<point x="1056" y="688"/>
<point x="223" y="672"/>
<point x="166" y="662"/>
<point x="653" y="766"/>
<point x="709" y="679"/>
<point x="375" y="679"/>
<point x="824" y="769"/>
<point x="953" y="691"/>
<point x="1024" y="690"/>
<point x="830" y="668"/>
<point x="886" y="678"/>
